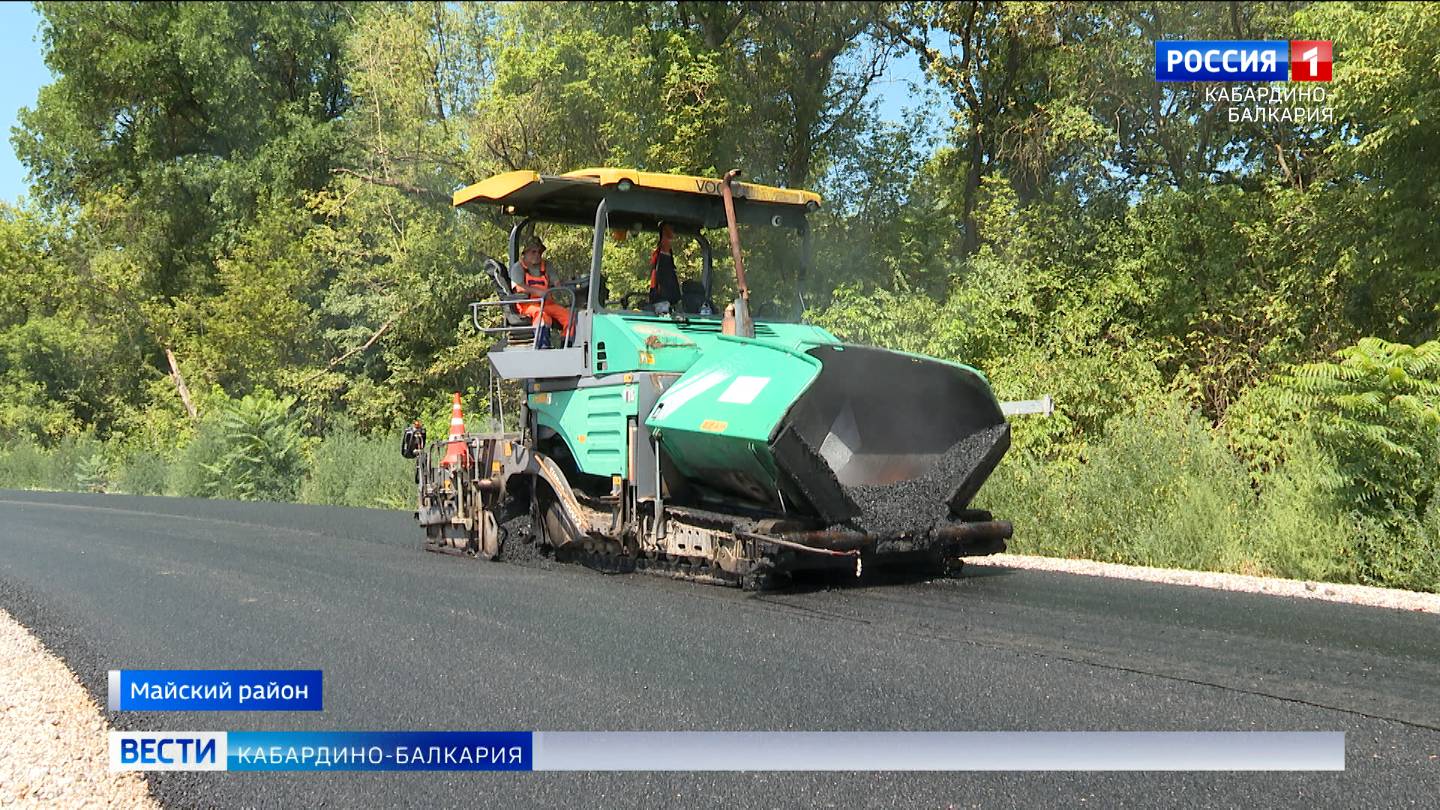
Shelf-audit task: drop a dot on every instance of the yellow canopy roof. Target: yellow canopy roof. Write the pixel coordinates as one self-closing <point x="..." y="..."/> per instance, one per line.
<point x="574" y="195"/>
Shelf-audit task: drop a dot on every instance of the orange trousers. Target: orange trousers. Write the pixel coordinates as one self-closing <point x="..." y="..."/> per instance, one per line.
<point x="552" y="315"/>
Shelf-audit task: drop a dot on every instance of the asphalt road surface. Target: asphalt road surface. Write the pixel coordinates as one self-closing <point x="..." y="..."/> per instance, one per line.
<point x="410" y="640"/>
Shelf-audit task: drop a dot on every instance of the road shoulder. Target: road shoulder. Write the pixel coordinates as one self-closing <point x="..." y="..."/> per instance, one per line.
<point x="1326" y="591"/>
<point x="52" y="735"/>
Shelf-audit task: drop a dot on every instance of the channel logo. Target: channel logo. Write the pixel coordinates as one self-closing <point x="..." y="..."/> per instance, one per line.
<point x="1310" y="60"/>
<point x="1243" y="61"/>
<point x="168" y="751"/>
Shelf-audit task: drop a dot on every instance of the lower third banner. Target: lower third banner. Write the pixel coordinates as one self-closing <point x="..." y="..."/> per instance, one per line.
<point x="728" y="751"/>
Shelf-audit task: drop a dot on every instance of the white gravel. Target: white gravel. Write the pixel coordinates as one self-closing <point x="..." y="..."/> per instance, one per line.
<point x="53" y="738"/>
<point x="1327" y="591"/>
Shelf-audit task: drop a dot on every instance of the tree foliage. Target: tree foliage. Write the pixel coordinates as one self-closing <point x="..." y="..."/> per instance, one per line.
<point x="1378" y="411"/>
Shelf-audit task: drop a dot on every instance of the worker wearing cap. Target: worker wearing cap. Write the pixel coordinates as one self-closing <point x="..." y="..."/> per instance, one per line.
<point x="532" y="277"/>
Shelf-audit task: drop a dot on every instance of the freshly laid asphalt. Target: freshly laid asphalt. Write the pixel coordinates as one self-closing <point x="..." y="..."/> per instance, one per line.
<point x="410" y="640"/>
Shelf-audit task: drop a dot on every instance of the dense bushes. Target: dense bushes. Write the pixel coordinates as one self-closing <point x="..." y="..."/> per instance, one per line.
<point x="249" y="449"/>
<point x="1157" y="489"/>
<point x="74" y="463"/>
<point x="1161" y="490"/>
<point x="246" y="449"/>
<point x="349" y="469"/>
<point x="1326" y="472"/>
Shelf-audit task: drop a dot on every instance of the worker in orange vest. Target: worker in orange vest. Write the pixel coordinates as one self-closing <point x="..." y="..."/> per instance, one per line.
<point x="531" y="276"/>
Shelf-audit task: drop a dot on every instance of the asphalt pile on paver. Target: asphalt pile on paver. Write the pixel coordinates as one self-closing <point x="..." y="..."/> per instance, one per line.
<point x="521" y="547"/>
<point x="917" y="506"/>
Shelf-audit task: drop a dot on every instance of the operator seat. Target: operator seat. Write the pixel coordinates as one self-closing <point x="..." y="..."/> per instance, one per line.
<point x="692" y="297"/>
<point x="501" y="277"/>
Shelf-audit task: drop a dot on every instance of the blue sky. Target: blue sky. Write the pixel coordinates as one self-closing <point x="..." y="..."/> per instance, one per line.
<point x="24" y="73"/>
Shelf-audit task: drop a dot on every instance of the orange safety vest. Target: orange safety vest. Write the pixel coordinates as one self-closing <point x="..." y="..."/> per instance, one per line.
<point x="654" y="267"/>
<point x="542" y="281"/>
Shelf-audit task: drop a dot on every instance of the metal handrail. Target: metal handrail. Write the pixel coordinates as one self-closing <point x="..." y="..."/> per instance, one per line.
<point x="533" y="328"/>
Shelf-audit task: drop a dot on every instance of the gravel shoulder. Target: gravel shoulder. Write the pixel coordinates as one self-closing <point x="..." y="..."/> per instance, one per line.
<point x="1326" y="591"/>
<point x="52" y="735"/>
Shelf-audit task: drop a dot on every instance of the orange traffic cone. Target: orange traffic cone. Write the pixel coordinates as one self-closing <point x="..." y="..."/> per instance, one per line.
<point x="457" y="453"/>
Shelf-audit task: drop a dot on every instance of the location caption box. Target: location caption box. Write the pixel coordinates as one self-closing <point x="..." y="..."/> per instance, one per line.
<point x="216" y="690"/>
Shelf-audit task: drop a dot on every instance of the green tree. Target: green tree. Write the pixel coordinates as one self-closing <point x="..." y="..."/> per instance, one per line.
<point x="171" y="125"/>
<point x="1384" y="146"/>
